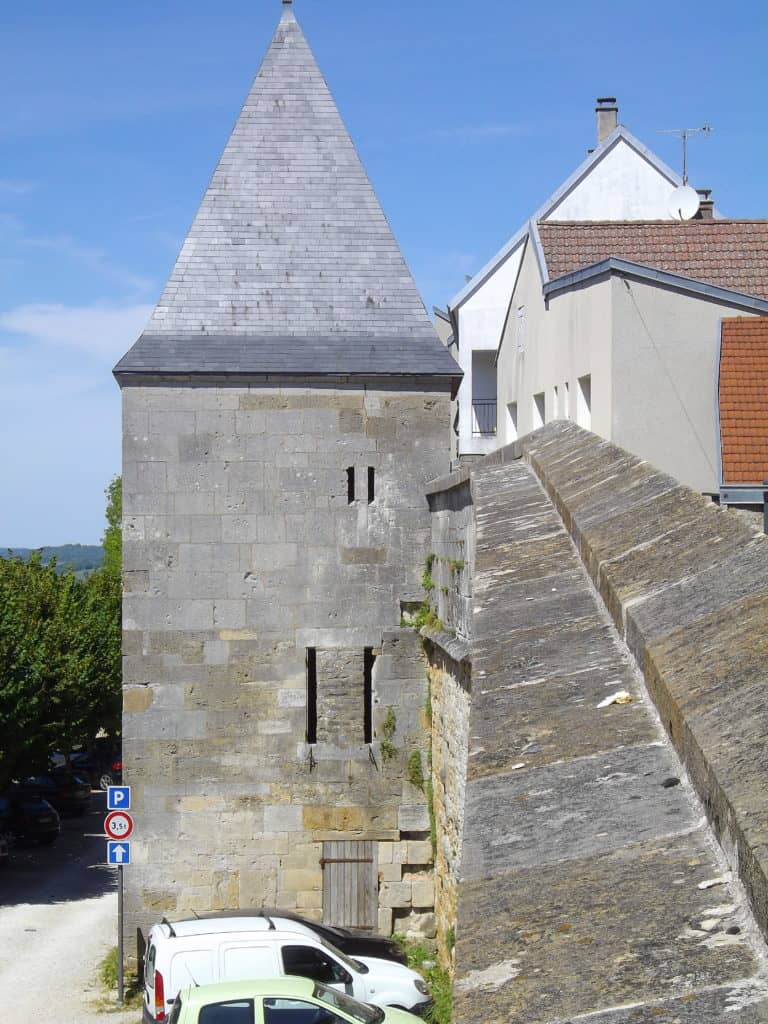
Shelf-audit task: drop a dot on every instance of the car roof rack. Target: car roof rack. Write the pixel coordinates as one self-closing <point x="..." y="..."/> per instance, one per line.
<point x="213" y="915"/>
<point x="170" y="927"/>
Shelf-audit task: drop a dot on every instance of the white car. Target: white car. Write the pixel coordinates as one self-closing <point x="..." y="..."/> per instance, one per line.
<point x="199" y="952"/>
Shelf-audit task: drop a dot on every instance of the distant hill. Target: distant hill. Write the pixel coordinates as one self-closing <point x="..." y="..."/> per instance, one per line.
<point x="83" y="558"/>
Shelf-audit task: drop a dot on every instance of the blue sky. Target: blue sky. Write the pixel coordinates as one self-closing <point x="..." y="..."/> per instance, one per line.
<point x="466" y="114"/>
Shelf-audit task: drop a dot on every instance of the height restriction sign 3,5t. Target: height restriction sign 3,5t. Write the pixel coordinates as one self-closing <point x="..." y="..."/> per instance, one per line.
<point x="118" y="825"/>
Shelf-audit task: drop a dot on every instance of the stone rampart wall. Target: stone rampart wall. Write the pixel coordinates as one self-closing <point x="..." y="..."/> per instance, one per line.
<point x="686" y="584"/>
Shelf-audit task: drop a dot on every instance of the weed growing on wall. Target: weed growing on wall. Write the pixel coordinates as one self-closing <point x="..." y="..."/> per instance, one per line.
<point x="387" y="730"/>
<point x="426" y="579"/>
<point x="415" y="770"/>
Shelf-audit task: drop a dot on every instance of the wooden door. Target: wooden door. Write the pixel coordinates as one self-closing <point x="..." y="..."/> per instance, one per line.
<point x="350" y="884"/>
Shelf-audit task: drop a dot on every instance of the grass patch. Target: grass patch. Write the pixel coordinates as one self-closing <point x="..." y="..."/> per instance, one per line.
<point x="438" y="979"/>
<point x="107" y="973"/>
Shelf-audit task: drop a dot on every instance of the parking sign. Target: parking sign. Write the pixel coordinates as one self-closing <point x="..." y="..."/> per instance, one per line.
<point x="119" y="798"/>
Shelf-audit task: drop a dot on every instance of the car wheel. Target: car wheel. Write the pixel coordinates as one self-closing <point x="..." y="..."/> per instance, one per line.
<point x="105" y="781"/>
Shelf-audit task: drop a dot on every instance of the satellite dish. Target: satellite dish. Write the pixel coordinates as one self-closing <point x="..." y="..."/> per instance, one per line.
<point x="683" y="203"/>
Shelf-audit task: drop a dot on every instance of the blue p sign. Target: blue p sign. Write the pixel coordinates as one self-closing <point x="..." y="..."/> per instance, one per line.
<point x="118" y="798"/>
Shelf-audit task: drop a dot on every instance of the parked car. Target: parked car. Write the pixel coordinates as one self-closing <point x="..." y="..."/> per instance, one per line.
<point x="102" y="765"/>
<point x="102" y="772"/>
<point x="277" y="1001"/>
<point x="28" y="818"/>
<point x="250" y="948"/>
<point x="68" y="792"/>
<point x="350" y="942"/>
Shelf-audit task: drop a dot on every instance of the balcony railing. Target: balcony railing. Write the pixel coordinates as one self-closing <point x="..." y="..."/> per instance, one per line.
<point x="483" y="418"/>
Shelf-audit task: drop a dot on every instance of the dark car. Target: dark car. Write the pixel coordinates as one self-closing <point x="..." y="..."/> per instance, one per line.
<point x="101" y="762"/>
<point x="68" y="792"/>
<point x="102" y="770"/>
<point x="28" y="818"/>
<point x="349" y="942"/>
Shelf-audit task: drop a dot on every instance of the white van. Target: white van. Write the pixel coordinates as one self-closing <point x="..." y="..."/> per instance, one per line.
<point x="198" y="952"/>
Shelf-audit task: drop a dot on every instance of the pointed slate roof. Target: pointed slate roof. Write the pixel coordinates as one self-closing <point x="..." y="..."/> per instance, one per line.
<point x="290" y="265"/>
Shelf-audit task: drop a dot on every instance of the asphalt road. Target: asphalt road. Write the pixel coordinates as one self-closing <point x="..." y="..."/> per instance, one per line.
<point x="58" y="919"/>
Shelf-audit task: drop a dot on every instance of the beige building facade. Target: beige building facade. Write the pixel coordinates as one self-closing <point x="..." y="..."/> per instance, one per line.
<point x="628" y="351"/>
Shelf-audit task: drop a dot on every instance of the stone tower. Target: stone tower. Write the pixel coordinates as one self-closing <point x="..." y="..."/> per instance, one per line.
<point x="282" y="412"/>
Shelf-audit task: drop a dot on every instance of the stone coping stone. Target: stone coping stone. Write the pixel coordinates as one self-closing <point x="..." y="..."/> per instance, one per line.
<point x="460" y="476"/>
<point x="573" y="938"/>
<point x="742" y="1003"/>
<point x="687" y="583"/>
<point x="575" y="809"/>
<point x="455" y="647"/>
<point x="538" y="721"/>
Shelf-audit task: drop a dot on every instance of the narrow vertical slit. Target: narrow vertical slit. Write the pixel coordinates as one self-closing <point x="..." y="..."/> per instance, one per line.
<point x="368" y="660"/>
<point x="350" y="484"/>
<point x="311" y="695"/>
<point x="371" y="484"/>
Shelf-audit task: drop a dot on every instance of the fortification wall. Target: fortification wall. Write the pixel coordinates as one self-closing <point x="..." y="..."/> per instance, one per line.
<point x="590" y="882"/>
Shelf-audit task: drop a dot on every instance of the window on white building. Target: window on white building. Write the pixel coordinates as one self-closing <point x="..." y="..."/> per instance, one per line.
<point x="555" y="402"/>
<point x="539" y="415"/>
<point x="584" y="402"/>
<point x="521" y="328"/>
<point x="566" y="401"/>
<point x="512" y="433"/>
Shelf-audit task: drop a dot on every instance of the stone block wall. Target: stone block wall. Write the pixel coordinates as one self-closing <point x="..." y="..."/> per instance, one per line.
<point x="242" y="550"/>
<point x="450" y="681"/>
<point x="451" y="558"/>
<point x="448" y="650"/>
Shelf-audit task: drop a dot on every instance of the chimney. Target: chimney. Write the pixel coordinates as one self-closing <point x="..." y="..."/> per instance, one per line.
<point x="706" y="204"/>
<point x="607" y="117"/>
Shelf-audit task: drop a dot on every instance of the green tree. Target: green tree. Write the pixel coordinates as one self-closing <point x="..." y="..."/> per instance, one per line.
<point x="112" y="539"/>
<point x="60" y="669"/>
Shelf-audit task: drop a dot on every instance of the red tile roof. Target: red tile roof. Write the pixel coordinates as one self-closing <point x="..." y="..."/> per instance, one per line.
<point x="744" y="400"/>
<point x="728" y="253"/>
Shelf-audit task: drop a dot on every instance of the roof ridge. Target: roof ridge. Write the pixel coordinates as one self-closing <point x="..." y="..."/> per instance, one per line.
<point x="660" y="221"/>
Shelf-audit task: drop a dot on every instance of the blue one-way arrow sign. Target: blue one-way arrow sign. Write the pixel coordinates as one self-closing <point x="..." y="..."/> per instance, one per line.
<point x="118" y="852"/>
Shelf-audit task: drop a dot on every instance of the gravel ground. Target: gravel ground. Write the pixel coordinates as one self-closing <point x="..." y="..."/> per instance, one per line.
<point x="58" y="920"/>
<point x="49" y="957"/>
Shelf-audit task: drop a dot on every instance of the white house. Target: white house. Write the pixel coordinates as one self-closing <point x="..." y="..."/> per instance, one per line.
<point x="620" y="180"/>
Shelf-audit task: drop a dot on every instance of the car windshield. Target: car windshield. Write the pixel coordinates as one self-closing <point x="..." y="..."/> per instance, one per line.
<point x="348" y="961"/>
<point x="341" y="1001"/>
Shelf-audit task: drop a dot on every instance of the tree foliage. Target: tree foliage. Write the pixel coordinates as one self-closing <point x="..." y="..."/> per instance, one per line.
<point x="60" y="672"/>
<point x="112" y="539"/>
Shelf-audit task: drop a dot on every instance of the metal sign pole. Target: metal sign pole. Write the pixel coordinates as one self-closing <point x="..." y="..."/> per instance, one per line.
<point x="120" y="998"/>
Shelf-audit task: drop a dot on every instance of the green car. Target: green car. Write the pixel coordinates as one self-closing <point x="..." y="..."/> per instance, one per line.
<point x="278" y="1001"/>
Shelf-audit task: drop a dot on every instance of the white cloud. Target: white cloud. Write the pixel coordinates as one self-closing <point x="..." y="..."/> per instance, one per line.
<point x="10" y="187"/>
<point x="480" y="132"/>
<point x="60" y="418"/>
<point x="102" y="330"/>
<point x="93" y="259"/>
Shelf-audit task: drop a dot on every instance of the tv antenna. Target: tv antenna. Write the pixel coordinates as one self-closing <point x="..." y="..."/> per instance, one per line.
<point x="684" y="134"/>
